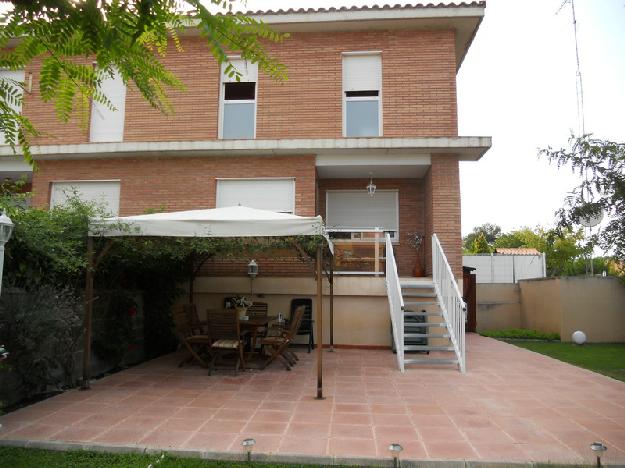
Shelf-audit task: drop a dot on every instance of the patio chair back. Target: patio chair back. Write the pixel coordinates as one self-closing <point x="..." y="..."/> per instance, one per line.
<point x="296" y="322"/>
<point x="258" y="310"/>
<point x="306" y="327"/>
<point x="182" y="321"/>
<point x="223" y="324"/>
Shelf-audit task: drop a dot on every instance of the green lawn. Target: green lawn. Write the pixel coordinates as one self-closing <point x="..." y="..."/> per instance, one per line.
<point x="604" y="358"/>
<point x="33" y="458"/>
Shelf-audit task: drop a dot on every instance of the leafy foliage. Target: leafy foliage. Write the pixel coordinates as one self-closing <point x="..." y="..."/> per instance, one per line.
<point x="521" y="334"/>
<point x="601" y="164"/>
<point x="480" y="245"/>
<point x="114" y="328"/>
<point x="80" y="42"/>
<point x="490" y="232"/>
<point x="42" y="330"/>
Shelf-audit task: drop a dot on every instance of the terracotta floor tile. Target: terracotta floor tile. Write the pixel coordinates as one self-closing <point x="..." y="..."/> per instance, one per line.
<point x="425" y="410"/>
<point x="195" y="413"/>
<point x="278" y="405"/>
<point x="304" y="429"/>
<point x="303" y="446"/>
<point x="166" y="438"/>
<point x="119" y="436"/>
<point x="351" y="408"/>
<point x="218" y="442"/>
<point x="182" y="424"/>
<point x="388" y="409"/>
<point x="352" y="431"/>
<point x="271" y="416"/>
<point x="391" y="420"/>
<point x="64" y="418"/>
<point x="78" y="433"/>
<point x="450" y="450"/>
<point x="104" y="420"/>
<point x="499" y="452"/>
<point x="36" y="431"/>
<point x="412" y="449"/>
<point x="344" y="447"/>
<point x="145" y="423"/>
<point x="486" y="435"/>
<point x="220" y="425"/>
<point x="233" y="414"/>
<point x="263" y="427"/>
<point x="438" y="434"/>
<point x="318" y="418"/>
<point x="431" y="420"/>
<point x="399" y="434"/>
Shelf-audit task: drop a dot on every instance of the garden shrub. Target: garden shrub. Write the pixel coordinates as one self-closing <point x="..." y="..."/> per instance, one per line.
<point x="113" y="331"/>
<point x="42" y="328"/>
<point x="521" y="334"/>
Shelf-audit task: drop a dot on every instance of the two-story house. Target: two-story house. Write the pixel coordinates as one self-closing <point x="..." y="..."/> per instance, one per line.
<point x="364" y="133"/>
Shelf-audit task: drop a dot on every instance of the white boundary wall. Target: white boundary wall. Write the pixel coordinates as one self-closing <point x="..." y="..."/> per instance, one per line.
<point x="497" y="268"/>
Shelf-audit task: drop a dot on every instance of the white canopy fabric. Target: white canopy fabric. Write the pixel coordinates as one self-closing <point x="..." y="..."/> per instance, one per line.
<point x="233" y="221"/>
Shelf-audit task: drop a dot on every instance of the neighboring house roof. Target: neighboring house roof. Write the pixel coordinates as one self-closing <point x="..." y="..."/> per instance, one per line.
<point x="282" y="11"/>
<point x="517" y="251"/>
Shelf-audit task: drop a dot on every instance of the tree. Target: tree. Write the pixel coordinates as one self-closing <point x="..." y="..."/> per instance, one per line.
<point x="601" y="164"/>
<point x="81" y="42"/>
<point x="480" y="245"/>
<point x="491" y="233"/>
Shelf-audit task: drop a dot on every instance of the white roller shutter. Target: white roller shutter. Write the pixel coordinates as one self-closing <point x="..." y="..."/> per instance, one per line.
<point x="355" y="209"/>
<point x="108" y="125"/>
<point x="17" y="75"/>
<point x="263" y="194"/>
<point x="362" y="72"/>
<point x="249" y="71"/>
<point x="105" y="193"/>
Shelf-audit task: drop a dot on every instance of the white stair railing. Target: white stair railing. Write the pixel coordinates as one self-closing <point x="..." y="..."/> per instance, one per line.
<point x="395" y="302"/>
<point x="451" y="303"/>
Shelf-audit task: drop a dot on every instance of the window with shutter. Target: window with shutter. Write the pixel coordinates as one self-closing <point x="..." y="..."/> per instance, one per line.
<point x="263" y="194"/>
<point x="107" y="125"/>
<point x="18" y="76"/>
<point x="102" y="192"/>
<point x="354" y="210"/>
<point x="238" y="101"/>
<point x="362" y="86"/>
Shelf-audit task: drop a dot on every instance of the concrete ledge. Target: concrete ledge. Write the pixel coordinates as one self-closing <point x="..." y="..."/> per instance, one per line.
<point x="278" y="458"/>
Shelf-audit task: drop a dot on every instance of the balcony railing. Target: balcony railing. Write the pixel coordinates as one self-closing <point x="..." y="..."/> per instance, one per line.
<point x="359" y="252"/>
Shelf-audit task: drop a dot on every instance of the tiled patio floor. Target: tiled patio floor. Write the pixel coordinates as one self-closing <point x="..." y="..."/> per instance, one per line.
<point x="512" y="405"/>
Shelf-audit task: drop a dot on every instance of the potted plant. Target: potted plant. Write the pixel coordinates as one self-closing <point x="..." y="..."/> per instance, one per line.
<point x="415" y="240"/>
<point x="241" y="303"/>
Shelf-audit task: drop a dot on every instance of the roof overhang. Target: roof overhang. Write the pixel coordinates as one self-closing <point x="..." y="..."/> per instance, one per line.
<point x="464" y="18"/>
<point x="466" y="148"/>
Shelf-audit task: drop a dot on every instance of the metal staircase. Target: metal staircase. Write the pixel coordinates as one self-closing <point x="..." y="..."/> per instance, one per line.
<point x="426" y="338"/>
<point x="427" y="315"/>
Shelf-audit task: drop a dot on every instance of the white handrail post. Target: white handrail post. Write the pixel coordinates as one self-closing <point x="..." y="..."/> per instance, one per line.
<point x="395" y="302"/>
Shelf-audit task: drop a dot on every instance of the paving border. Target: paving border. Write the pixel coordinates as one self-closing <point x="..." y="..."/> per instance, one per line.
<point x="281" y="458"/>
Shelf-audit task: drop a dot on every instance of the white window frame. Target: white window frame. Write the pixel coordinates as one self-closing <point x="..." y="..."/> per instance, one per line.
<point x="394" y="234"/>
<point x="345" y="99"/>
<point x="292" y="197"/>
<point x="119" y="113"/>
<point x="86" y="181"/>
<point x="22" y="72"/>
<point x="222" y="95"/>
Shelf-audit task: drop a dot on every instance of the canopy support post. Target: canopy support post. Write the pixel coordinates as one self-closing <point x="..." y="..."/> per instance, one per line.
<point x="331" y="281"/>
<point x="88" y="315"/>
<point x="319" y="325"/>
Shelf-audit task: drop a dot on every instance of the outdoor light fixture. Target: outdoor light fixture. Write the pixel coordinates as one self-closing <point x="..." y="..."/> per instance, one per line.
<point x="248" y="445"/>
<point x="395" y="450"/>
<point x="252" y="272"/>
<point x="371" y="187"/>
<point x="598" y="448"/>
<point x="6" y="229"/>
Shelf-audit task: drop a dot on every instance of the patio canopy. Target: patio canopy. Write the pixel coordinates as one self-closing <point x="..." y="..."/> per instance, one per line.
<point x="233" y="221"/>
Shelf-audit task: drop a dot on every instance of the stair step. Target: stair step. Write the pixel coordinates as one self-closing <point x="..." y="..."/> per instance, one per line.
<point x="427" y="348"/>
<point x="425" y="324"/>
<point x="410" y="313"/>
<point x="430" y="361"/>
<point x="417" y="304"/>
<point x="426" y="335"/>
<point x="419" y="285"/>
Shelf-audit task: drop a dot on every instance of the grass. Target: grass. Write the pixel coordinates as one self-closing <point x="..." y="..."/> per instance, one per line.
<point x="604" y="358"/>
<point x="30" y="458"/>
<point x="520" y="334"/>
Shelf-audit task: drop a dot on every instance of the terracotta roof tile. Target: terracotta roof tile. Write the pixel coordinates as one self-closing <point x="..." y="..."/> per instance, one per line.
<point x="397" y="6"/>
<point x="517" y="251"/>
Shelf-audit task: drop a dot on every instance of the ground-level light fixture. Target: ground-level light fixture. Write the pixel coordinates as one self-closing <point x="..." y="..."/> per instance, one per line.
<point x="371" y="186"/>
<point x="6" y="229"/>
<point x="248" y="445"/>
<point x="395" y="450"/>
<point x="598" y="448"/>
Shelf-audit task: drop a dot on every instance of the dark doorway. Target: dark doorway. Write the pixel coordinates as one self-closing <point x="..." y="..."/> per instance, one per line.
<point x="469" y="297"/>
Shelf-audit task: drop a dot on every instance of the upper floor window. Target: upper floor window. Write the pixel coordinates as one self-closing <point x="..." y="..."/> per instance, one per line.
<point x="107" y="125"/>
<point x="18" y="76"/>
<point x="104" y="193"/>
<point x="273" y="194"/>
<point x="362" y="88"/>
<point x="238" y="101"/>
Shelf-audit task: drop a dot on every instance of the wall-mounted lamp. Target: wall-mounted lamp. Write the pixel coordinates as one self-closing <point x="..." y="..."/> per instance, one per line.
<point x="252" y="272"/>
<point x="371" y="186"/>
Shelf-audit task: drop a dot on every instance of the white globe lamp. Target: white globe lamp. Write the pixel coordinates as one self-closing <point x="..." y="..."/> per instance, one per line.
<point x="579" y="337"/>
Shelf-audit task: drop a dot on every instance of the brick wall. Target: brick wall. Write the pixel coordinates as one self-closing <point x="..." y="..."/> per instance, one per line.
<point x="419" y="91"/>
<point x="411" y="212"/>
<point x="176" y="184"/>
<point x="442" y="210"/>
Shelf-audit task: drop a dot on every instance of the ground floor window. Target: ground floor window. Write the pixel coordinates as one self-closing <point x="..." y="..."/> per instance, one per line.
<point x="274" y="194"/>
<point x="357" y="222"/>
<point x="102" y="192"/>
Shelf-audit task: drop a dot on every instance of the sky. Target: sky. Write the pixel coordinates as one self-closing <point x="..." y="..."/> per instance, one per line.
<point x="518" y="85"/>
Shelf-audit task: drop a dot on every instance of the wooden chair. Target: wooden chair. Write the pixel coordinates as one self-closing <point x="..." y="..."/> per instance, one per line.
<point x="257" y="310"/>
<point x="306" y="328"/>
<point x="190" y="337"/>
<point x="224" y="330"/>
<point x="277" y="345"/>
